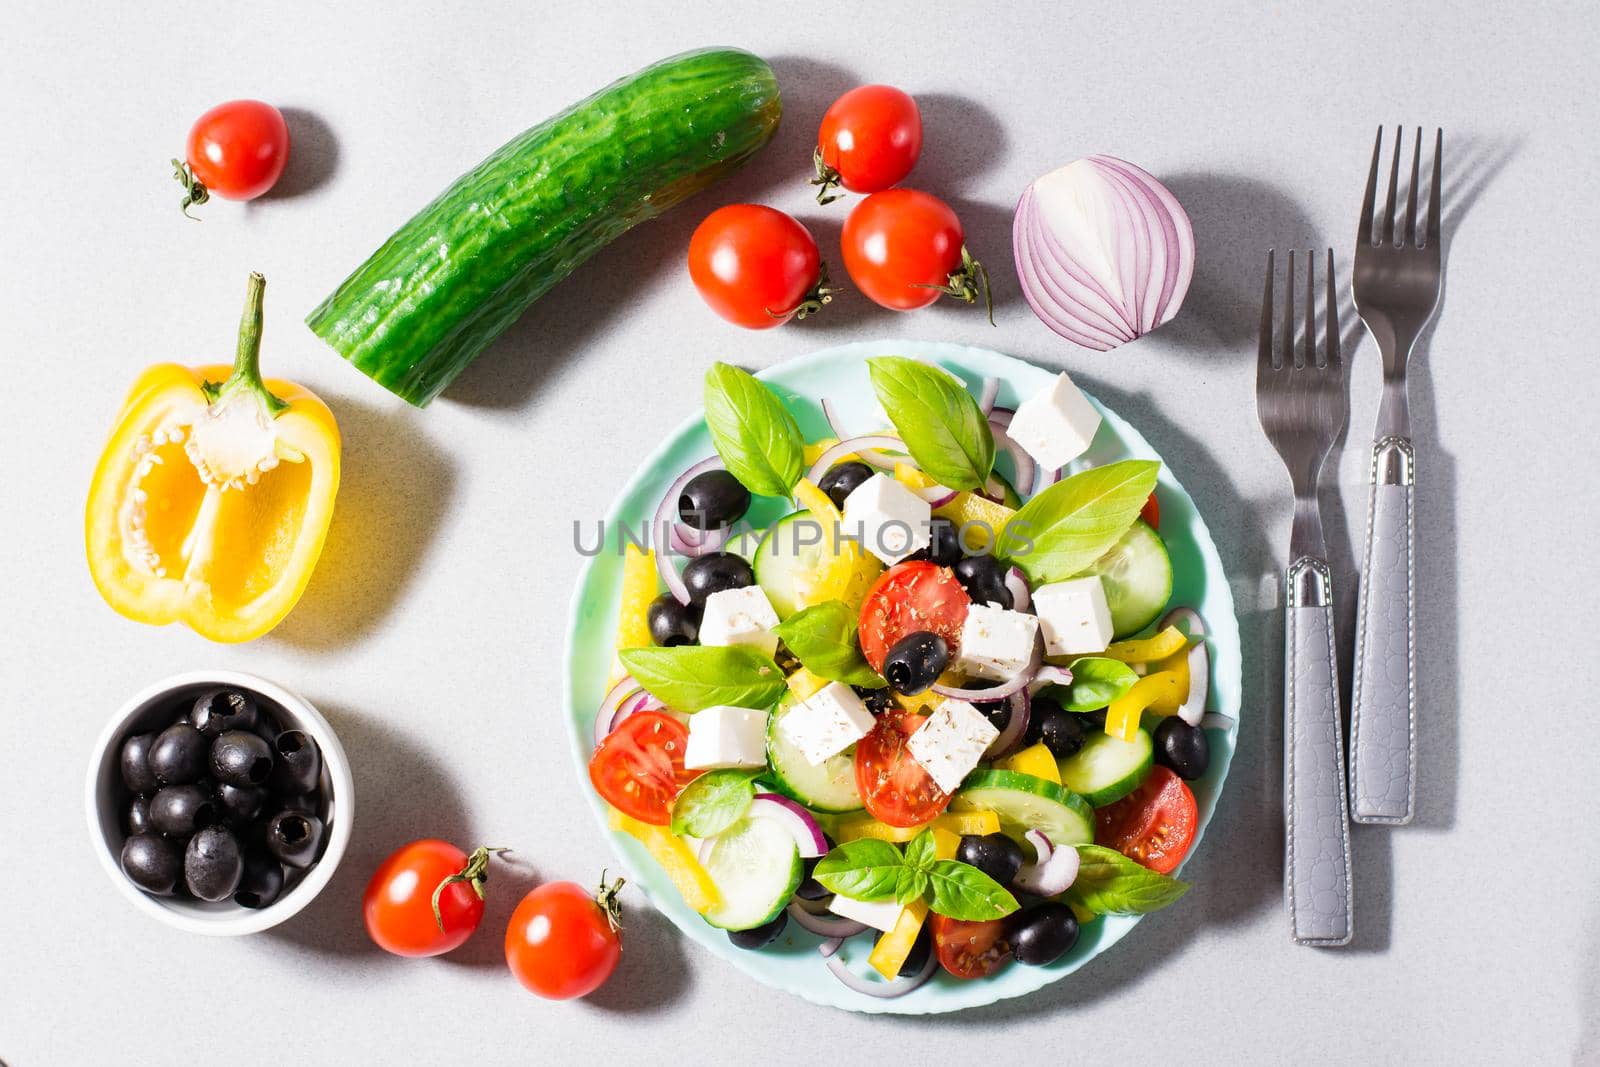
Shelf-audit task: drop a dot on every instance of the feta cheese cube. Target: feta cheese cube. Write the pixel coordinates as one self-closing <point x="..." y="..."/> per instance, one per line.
<point x="996" y="643"/>
<point x="1057" y="425"/>
<point x="878" y="914"/>
<point x="888" y="519"/>
<point x="1073" y="616"/>
<point x="951" y="742"/>
<point x="740" y="617"/>
<point x="826" y="723"/>
<point x="726" y="736"/>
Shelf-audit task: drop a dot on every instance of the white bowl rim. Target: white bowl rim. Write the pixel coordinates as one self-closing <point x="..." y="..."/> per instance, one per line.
<point x="245" y="921"/>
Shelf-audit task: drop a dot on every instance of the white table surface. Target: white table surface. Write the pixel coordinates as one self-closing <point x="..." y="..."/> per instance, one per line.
<point x="432" y="630"/>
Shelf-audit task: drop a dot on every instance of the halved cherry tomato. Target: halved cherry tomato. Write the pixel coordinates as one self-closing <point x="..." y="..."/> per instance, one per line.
<point x="970" y="949"/>
<point x="894" y="787"/>
<point x="1153" y="825"/>
<point x="908" y="597"/>
<point x="904" y="248"/>
<point x="1151" y="512"/>
<point x="236" y="151"/>
<point x="638" y="769"/>
<point x="756" y="266"/>
<point x="563" y="941"/>
<point x="870" y="139"/>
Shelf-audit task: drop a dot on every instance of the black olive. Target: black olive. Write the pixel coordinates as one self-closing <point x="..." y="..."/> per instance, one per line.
<point x="810" y="888"/>
<point x="843" y="479"/>
<point x="672" y="623"/>
<point x="994" y="854"/>
<point x="984" y="579"/>
<point x="294" y="838"/>
<point x="1182" y="747"/>
<point x="1093" y="720"/>
<point x="213" y="864"/>
<point x="261" y="882"/>
<point x="239" y="757"/>
<point x="877" y="700"/>
<point x="713" y="500"/>
<point x="1043" y="933"/>
<point x="1063" y="732"/>
<point x="715" y="572"/>
<point x="217" y="710"/>
<point x="241" y="803"/>
<point x="915" y="662"/>
<point x="760" y="936"/>
<point x="139" y="816"/>
<point x="944" y="543"/>
<point x="151" y="862"/>
<point x="180" y="810"/>
<point x="917" y="958"/>
<point x="135" y="763"/>
<point x="298" y="767"/>
<point x="178" y="756"/>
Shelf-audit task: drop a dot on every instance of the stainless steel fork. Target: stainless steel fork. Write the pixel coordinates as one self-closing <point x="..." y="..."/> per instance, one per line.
<point x="1303" y="405"/>
<point x="1396" y="288"/>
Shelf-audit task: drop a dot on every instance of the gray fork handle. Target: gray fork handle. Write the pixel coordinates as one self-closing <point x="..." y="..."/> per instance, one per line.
<point x="1316" y="879"/>
<point x="1383" y="712"/>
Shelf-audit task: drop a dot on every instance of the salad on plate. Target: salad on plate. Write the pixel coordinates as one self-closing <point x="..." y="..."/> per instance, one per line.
<point x="943" y="701"/>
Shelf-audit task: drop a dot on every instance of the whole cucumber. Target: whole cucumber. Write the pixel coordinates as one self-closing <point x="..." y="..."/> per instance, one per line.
<point x="451" y="280"/>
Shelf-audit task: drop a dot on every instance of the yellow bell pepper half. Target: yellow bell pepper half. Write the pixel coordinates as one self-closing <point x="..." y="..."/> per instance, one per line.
<point x="211" y="501"/>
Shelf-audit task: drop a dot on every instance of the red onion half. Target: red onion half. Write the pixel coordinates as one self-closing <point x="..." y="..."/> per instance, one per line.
<point x="1104" y="251"/>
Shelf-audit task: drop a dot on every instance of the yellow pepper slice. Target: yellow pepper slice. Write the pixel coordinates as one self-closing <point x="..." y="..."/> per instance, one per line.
<point x="1122" y="717"/>
<point x="912" y="477"/>
<point x="210" y="503"/>
<point x="674" y="856"/>
<point x="960" y="823"/>
<point x="1036" y="760"/>
<point x="640" y="584"/>
<point x="1081" y="913"/>
<point x="1149" y="649"/>
<point x="1177" y="665"/>
<point x="978" y="518"/>
<point x="851" y="572"/>
<point x="894" y="947"/>
<point x="805" y="685"/>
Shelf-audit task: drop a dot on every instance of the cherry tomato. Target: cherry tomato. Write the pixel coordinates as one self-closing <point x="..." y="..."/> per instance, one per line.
<point x="564" y="941"/>
<point x="870" y="139"/>
<point x="638" y="769"/>
<point x="904" y="248"/>
<point x="399" y="904"/>
<point x="1153" y="825"/>
<point x="970" y="949"/>
<point x="757" y="267"/>
<point x="894" y="787"/>
<point x="908" y="597"/>
<point x="1151" y="512"/>
<point x="236" y="150"/>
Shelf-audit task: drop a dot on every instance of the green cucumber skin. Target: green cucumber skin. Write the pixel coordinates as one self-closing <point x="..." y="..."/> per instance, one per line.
<point x="452" y="279"/>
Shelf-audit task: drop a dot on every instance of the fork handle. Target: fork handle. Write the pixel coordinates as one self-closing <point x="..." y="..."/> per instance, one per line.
<point x="1383" y="713"/>
<point x="1316" y="883"/>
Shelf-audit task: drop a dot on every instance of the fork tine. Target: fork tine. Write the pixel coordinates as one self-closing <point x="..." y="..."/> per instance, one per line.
<point x="1264" y="353"/>
<point x="1311" y="309"/>
<point x="1433" y="193"/>
<point x="1411" y="195"/>
<point x="1394" y="183"/>
<point x="1288" y="316"/>
<point x="1331" y="321"/>
<point x="1371" y="199"/>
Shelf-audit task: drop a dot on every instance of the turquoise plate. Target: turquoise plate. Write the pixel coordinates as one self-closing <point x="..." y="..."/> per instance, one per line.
<point x="840" y="374"/>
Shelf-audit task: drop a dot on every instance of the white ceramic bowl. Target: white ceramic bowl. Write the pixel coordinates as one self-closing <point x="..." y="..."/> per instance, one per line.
<point x="105" y="798"/>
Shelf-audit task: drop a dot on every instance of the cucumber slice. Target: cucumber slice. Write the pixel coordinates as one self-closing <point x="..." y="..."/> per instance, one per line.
<point x="828" y="787"/>
<point x="1024" y="802"/>
<point x="1137" y="575"/>
<point x="756" y="867"/>
<point x="786" y="566"/>
<point x="1108" y="768"/>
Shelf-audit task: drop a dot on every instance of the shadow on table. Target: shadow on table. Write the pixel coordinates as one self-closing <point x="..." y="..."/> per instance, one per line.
<point x="654" y="973"/>
<point x="395" y="488"/>
<point x="313" y="155"/>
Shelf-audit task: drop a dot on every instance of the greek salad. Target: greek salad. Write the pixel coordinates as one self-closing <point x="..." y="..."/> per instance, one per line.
<point x="945" y="701"/>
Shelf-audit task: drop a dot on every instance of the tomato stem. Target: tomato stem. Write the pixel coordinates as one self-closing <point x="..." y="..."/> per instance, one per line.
<point x="827" y="179"/>
<point x="607" y="899"/>
<point x="194" y="190"/>
<point x="966" y="283"/>
<point x="474" y="874"/>
<point x="820" y="295"/>
<point x="246" y="376"/>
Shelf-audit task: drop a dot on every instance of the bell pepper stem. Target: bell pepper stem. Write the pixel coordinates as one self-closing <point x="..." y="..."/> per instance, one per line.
<point x="246" y="376"/>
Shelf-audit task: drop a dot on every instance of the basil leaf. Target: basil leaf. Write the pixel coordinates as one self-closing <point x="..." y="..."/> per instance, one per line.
<point x="823" y="638"/>
<point x="1096" y="682"/>
<point x="713" y="802"/>
<point x="864" y="869"/>
<point x="753" y="432"/>
<point x="921" y="852"/>
<point x="961" y="891"/>
<point x="911" y="885"/>
<point x="1109" y="883"/>
<point x="943" y="428"/>
<point x="696" y="677"/>
<point x="1072" y="523"/>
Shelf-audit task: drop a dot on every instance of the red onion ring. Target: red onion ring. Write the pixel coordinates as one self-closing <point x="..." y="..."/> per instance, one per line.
<point x="1004" y="689"/>
<point x="665" y="520"/>
<point x="1049" y="675"/>
<point x="882" y="990"/>
<point x="800" y="823"/>
<point x="829" y="926"/>
<point x="861" y="446"/>
<point x="1017" y="586"/>
<point x="936" y="495"/>
<point x="999" y="423"/>
<point x="607" y="717"/>
<point x="685" y="544"/>
<point x="1193" y="709"/>
<point x="870" y="457"/>
<point x="830" y="946"/>
<point x="1010" y="738"/>
<point x="1052" y="873"/>
<point x="1044" y="478"/>
<point x="989" y="393"/>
